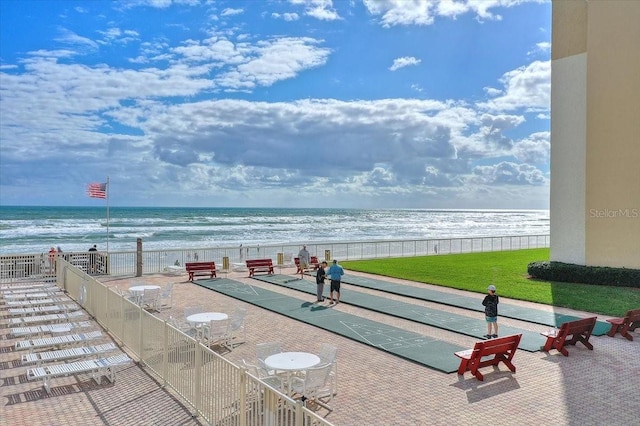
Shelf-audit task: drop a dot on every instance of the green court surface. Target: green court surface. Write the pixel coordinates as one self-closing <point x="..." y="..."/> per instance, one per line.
<point x="532" y="315"/>
<point x="469" y="326"/>
<point x="421" y="349"/>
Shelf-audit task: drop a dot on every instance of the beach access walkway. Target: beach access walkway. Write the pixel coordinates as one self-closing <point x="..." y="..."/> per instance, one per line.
<point x="375" y="387"/>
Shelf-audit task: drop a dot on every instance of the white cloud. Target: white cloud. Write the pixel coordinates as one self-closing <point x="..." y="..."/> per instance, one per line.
<point x="508" y="173"/>
<point x="319" y="9"/>
<point x="286" y="16"/>
<point x="231" y="12"/>
<point x="76" y="41"/>
<point x="160" y="4"/>
<point x="272" y="61"/>
<point x="183" y="114"/>
<point x="404" y="61"/>
<point x="424" y="12"/>
<point x="535" y="149"/>
<point x="527" y="87"/>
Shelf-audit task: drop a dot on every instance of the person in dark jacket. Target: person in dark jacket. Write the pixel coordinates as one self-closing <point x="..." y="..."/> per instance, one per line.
<point x="321" y="275"/>
<point x="490" y="303"/>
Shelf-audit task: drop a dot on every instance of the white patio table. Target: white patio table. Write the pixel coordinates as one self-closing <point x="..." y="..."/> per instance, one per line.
<point x="205" y="318"/>
<point x="291" y="362"/>
<point x="137" y="291"/>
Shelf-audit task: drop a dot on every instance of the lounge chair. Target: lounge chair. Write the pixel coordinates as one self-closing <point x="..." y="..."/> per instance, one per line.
<point x="49" y="318"/>
<point x="97" y="368"/>
<point x="66" y="354"/>
<point x="43" y="309"/>
<point x="29" y="303"/>
<point x="64" y="340"/>
<point x="48" y="328"/>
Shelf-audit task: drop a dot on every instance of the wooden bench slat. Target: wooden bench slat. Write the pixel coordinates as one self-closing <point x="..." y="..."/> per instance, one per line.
<point x="200" y="269"/>
<point x="629" y="322"/>
<point x="579" y="330"/>
<point x="489" y="352"/>
<point x="260" y="265"/>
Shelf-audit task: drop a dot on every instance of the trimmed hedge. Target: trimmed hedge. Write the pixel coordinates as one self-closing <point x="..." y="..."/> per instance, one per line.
<point x="598" y="275"/>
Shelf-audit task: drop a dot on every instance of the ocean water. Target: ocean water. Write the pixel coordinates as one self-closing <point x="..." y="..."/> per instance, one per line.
<point x="36" y="229"/>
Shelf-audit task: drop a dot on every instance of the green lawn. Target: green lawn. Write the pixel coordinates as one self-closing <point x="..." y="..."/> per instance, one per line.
<point x="507" y="270"/>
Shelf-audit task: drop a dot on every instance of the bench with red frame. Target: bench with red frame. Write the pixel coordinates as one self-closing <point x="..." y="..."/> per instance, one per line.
<point x="624" y="325"/>
<point x="579" y="330"/>
<point x="259" y="265"/>
<point x="314" y="262"/>
<point x="201" y="268"/>
<point x="502" y="348"/>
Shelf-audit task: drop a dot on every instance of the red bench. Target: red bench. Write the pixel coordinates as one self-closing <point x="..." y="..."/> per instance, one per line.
<point x="579" y="330"/>
<point x="314" y="262"/>
<point x="624" y="325"/>
<point x="502" y="348"/>
<point x="259" y="265"/>
<point x="201" y="268"/>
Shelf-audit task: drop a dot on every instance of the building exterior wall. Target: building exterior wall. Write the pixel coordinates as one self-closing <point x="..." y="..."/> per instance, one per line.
<point x="595" y="133"/>
<point x="568" y="159"/>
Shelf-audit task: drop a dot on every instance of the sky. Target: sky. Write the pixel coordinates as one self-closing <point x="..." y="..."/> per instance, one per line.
<point x="276" y="103"/>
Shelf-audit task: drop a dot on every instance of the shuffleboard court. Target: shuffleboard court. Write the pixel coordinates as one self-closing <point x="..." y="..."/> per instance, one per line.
<point x="424" y="350"/>
<point x="469" y="326"/>
<point x="506" y="310"/>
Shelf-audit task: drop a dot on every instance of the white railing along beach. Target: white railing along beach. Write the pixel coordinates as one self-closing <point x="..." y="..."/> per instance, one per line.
<point x="124" y="263"/>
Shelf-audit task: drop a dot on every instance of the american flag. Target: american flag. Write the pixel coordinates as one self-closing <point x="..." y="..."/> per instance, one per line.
<point x="97" y="190"/>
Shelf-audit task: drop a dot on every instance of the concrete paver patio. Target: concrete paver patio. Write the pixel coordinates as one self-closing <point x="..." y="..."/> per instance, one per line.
<point x="599" y="387"/>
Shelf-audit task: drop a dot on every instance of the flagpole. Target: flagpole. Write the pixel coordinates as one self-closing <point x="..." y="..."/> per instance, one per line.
<point x="108" y="191"/>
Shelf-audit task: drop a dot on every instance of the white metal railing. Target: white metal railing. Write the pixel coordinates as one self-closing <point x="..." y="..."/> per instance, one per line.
<point x="15" y="267"/>
<point x="217" y="390"/>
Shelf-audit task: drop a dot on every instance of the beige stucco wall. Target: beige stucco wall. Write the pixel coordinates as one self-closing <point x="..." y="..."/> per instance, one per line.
<point x="613" y="133"/>
<point x="595" y="154"/>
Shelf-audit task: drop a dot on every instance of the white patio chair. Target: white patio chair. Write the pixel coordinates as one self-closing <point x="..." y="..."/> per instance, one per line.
<point x="236" y="324"/>
<point x="328" y="355"/>
<point x="264" y="376"/>
<point x="215" y="332"/>
<point x="190" y="310"/>
<point x="183" y="326"/>
<point x="264" y="350"/>
<point x="314" y="385"/>
<point x="150" y="298"/>
<point x="166" y="297"/>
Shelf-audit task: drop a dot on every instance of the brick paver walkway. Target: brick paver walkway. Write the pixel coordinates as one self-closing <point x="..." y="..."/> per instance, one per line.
<point x="599" y="387"/>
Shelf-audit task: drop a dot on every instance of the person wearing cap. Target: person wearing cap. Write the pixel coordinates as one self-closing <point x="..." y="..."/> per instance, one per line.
<point x="490" y="304"/>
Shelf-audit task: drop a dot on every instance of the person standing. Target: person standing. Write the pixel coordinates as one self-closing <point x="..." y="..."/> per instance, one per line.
<point x="52" y="259"/>
<point x="92" y="259"/>
<point x="304" y="258"/>
<point x="321" y="275"/>
<point x="490" y="304"/>
<point x="335" y="273"/>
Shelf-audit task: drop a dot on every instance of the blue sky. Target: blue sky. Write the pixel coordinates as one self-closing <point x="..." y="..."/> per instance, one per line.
<point x="300" y="103"/>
